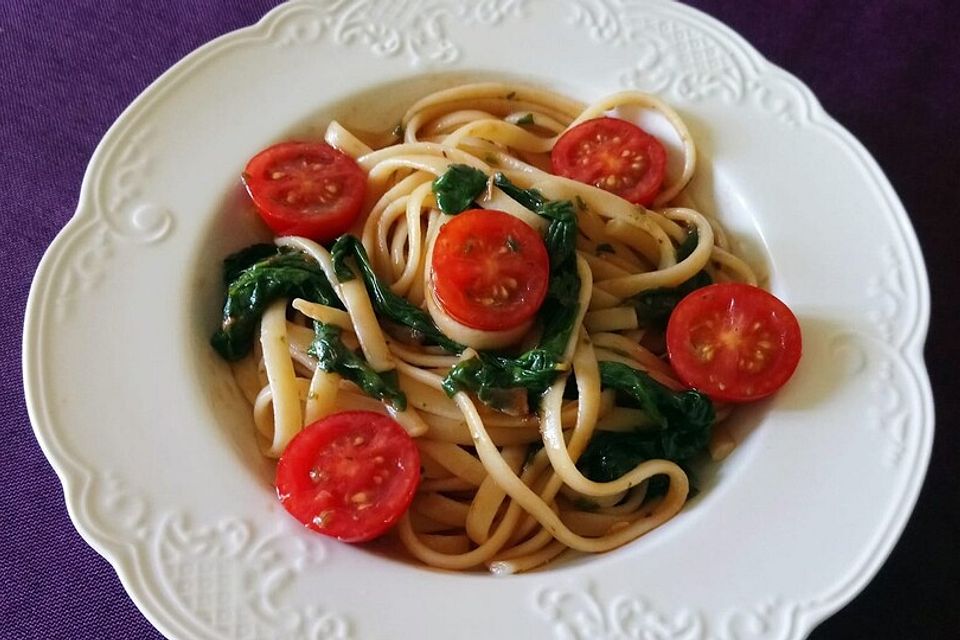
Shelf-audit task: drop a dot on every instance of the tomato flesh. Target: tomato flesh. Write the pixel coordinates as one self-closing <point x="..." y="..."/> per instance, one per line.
<point x="306" y="188"/>
<point x="614" y="155"/>
<point x="734" y="342"/>
<point x="350" y="475"/>
<point x="490" y="270"/>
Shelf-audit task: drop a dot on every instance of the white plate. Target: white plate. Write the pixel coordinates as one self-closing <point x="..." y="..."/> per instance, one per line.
<point x="156" y="451"/>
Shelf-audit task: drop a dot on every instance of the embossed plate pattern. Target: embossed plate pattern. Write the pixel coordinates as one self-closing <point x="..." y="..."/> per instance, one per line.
<point x="155" y="451"/>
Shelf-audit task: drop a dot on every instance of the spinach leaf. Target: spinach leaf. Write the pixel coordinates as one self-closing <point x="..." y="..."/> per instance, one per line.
<point x="489" y="373"/>
<point x="534" y="370"/>
<point x="655" y="305"/>
<point x="529" y="198"/>
<point x="560" y="307"/>
<point x="256" y="277"/>
<point x="334" y="356"/>
<point x="386" y="303"/>
<point x="458" y="187"/>
<point x="683" y="422"/>
<point x="235" y="263"/>
<point x="688" y="245"/>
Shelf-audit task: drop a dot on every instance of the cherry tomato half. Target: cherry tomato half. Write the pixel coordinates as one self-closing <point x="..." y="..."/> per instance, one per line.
<point x="350" y="475"/>
<point x="306" y="188"/>
<point x="614" y="155"/>
<point x="734" y="342"/>
<point x="490" y="270"/>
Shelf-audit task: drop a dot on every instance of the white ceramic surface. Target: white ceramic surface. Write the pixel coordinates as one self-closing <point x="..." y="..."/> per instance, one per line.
<point x="155" y="450"/>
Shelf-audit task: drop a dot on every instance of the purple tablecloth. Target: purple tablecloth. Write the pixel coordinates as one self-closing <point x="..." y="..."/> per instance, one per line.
<point x="889" y="70"/>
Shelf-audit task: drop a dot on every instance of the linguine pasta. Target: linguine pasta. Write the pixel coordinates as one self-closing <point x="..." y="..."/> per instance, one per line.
<point x="499" y="488"/>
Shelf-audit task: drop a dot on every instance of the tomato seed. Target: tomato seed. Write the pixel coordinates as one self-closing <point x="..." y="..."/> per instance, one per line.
<point x="706" y="352"/>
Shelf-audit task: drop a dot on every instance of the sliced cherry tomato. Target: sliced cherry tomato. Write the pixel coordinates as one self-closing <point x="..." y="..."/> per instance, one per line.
<point x="734" y="342"/>
<point x="306" y="188"/>
<point x="490" y="270"/>
<point x="614" y="155"/>
<point x="350" y="475"/>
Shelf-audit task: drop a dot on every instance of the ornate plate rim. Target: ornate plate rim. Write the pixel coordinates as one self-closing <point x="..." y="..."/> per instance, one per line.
<point x="127" y="558"/>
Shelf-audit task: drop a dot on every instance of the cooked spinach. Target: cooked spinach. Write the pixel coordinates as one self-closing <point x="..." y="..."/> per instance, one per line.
<point x="561" y="235"/>
<point x="235" y="263"/>
<point x="255" y="277"/>
<point x="488" y="373"/>
<point x="529" y="198"/>
<point x="334" y="356"/>
<point x="534" y="370"/>
<point x="655" y="305"/>
<point x="386" y="303"/>
<point x="458" y="187"/>
<point x="682" y="425"/>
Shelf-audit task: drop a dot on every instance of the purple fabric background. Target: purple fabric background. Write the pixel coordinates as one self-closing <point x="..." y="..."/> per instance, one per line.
<point x="888" y="70"/>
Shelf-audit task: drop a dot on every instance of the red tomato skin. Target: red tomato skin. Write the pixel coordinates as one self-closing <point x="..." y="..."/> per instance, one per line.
<point x="327" y="475"/>
<point x="614" y="155"/>
<point x="479" y="251"/>
<point x="755" y="342"/>
<point x="327" y="185"/>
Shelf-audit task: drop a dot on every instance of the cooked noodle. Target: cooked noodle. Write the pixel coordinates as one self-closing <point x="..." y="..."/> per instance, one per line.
<point x="483" y="499"/>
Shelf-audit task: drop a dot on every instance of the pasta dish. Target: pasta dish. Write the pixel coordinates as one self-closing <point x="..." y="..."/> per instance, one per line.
<point x="500" y="332"/>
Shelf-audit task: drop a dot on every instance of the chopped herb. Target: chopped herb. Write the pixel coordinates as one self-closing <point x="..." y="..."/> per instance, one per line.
<point x="525" y="120"/>
<point x="511" y="95"/>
